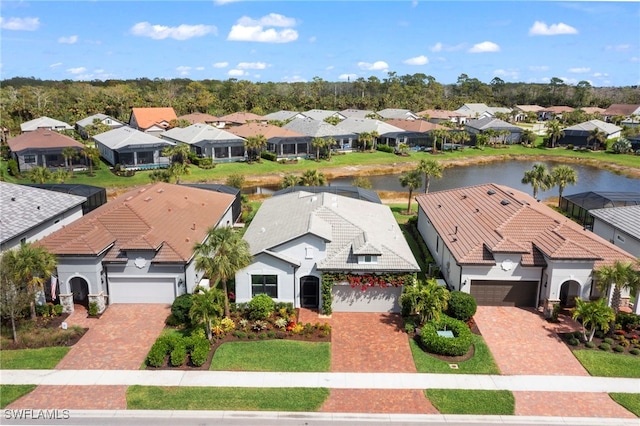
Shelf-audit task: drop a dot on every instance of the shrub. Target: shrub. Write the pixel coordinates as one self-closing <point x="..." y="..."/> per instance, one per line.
<point x="271" y="334"/>
<point x="456" y="346"/>
<point x="576" y="334"/>
<point x="251" y="336"/>
<point x="281" y="322"/>
<point x="57" y="309"/>
<point x="409" y="328"/>
<point x="93" y="309"/>
<point x="12" y="167"/>
<point x="627" y="320"/>
<point x="262" y="336"/>
<point x="590" y="345"/>
<point x="635" y="351"/>
<point x="608" y="341"/>
<point x="604" y="346"/>
<point x="227" y="324"/>
<point x="281" y="335"/>
<point x="461" y="305"/>
<point x="200" y="352"/>
<point x="271" y="156"/>
<point x="259" y="325"/>
<point x="618" y="348"/>
<point x="260" y="307"/>
<point x="240" y="334"/>
<point x="178" y="355"/>
<point x="385" y="148"/>
<point x="172" y="321"/>
<point x="158" y="351"/>
<point x="180" y="308"/>
<point x="574" y="342"/>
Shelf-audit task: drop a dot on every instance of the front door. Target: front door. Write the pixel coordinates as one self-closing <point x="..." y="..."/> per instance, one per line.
<point x="310" y="292"/>
<point x="80" y="290"/>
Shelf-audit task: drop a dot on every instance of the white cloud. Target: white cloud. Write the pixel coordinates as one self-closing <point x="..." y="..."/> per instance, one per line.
<point x="199" y="68"/>
<point x="251" y="65"/>
<point x="56" y="65"/>
<point x="236" y="73"/>
<point x="485" y="46"/>
<point x="249" y="29"/>
<point x="418" y="60"/>
<point x="221" y="64"/>
<point x="329" y="68"/>
<point x="68" y="40"/>
<point x="439" y="47"/>
<point x="619" y="47"/>
<point x="77" y="70"/>
<point x="541" y="28"/>
<point x="600" y="74"/>
<point x="183" y="70"/>
<point x="181" y="32"/>
<point x="510" y="74"/>
<point x="347" y="76"/>
<point x="436" y="47"/>
<point x="312" y="39"/>
<point x="20" y="24"/>
<point x="579" y="70"/>
<point x="294" y="79"/>
<point x="376" y="66"/>
<point x="539" y="68"/>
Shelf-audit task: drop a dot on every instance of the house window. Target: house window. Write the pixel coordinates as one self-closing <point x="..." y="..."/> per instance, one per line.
<point x="308" y="253"/>
<point x="264" y="284"/>
<point x="368" y="259"/>
<point x="29" y="159"/>
<point x="620" y="238"/>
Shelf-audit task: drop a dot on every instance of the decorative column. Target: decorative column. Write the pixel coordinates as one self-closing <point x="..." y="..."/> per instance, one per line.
<point x="66" y="300"/>
<point x="548" y="306"/>
<point x="99" y="299"/>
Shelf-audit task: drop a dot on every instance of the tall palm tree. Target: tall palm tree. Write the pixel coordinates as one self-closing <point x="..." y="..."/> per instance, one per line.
<point x="620" y="276"/>
<point x="69" y="154"/>
<point x="39" y="174"/>
<point x="597" y="136"/>
<point x="254" y="145"/>
<point x="92" y="155"/>
<point x="554" y="131"/>
<point x="331" y="142"/>
<point x="594" y="315"/>
<point x="438" y="134"/>
<point x="431" y="169"/>
<point x="318" y="143"/>
<point x="312" y="177"/>
<point x="426" y="298"/>
<point x="538" y="177"/>
<point x="374" y="139"/>
<point x="221" y="255"/>
<point x="562" y="176"/>
<point x="364" y="138"/>
<point x="412" y="180"/>
<point x="206" y="307"/>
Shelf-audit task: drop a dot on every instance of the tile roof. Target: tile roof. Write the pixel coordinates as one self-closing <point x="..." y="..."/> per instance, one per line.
<point x="199" y="117"/>
<point x="25" y="207"/>
<point x="357" y="113"/>
<point x="622" y="109"/>
<point x="626" y="219"/>
<point x="42" y="139"/>
<point x="240" y="118"/>
<point x="127" y="136"/>
<point x="360" y="125"/>
<point x="440" y="114"/>
<point x="315" y="128"/>
<point x="348" y="225"/>
<point x="199" y="134"/>
<point x="476" y="221"/>
<point x="267" y="130"/>
<point x="44" y="123"/>
<point x="389" y="113"/>
<point x="593" y="110"/>
<point x="558" y="109"/>
<point x="492" y="123"/>
<point x="420" y="126"/>
<point x="170" y="217"/>
<point x="149" y="117"/>
<point x="529" y="108"/>
<point x="89" y="120"/>
<point x="321" y="114"/>
<point x="282" y="115"/>
<point x="588" y="126"/>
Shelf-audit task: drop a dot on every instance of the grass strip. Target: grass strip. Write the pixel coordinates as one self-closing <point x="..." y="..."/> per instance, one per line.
<point x="630" y="401"/>
<point x="608" y="364"/>
<point x="466" y="401"/>
<point x="29" y="359"/>
<point x="9" y="393"/>
<point x="216" y="398"/>
<point x="273" y="355"/>
<point x="481" y="363"/>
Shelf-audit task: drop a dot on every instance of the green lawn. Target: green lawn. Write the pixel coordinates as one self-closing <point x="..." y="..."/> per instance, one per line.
<point x="9" y="393"/>
<point x="273" y="355"/>
<point x="465" y="401"/>
<point x="29" y="359"/>
<point x="481" y="363"/>
<point x="237" y="399"/>
<point x="630" y="401"/>
<point x="608" y="364"/>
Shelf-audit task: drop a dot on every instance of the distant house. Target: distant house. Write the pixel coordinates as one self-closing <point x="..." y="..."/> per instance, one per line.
<point x="199" y="117"/>
<point x="578" y="135"/>
<point x="620" y="110"/>
<point x="209" y="142"/>
<point x="506" y="249"/>
<point x="283" y="142"/>
<point x="438" y="116"/>
<point x="104" y="119"/>
<point x="483" y="125"/>
<point x="95" y="195"/>
<point x="152" y="120"/>
<point x="342" y="238"/>
<point x="553" y="112"/>
<point x="395" y="113"/>
<point x="323" y="114"/>
<point x="29" y="214"/>
<point x="578" y="206"/>
<point x="238" y="119"/>
<point x="593" y="110"/>
<point x="619" y="225"/>
<point x="44" y="123"/>
<point x="137" y="248"/>
<point x="132" y="149"/>
<point x="416" y="130"/>
<point x="321" y="129"/>
<point x="359" y="113"/>
<point x="523" y="111"/>
<point x="43" y="148"/>
<point x="282" y="116"/>
<point x="476" y="111"/>
<point x="387" y="134"/>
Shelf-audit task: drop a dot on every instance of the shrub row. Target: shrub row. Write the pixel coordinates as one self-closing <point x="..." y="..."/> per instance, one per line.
<point x="456" y="346"/>
<point x="271" y="156"/>
<point x="461" y="305"/>
<point x="48" y="310"/>
<point x="385" y="148"/>
<point x="177" y="347"/>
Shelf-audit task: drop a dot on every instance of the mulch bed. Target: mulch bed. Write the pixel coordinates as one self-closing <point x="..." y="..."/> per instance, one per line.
<point x="52" y="324"/>
<point x="629" y="336"/>
<point x="455" y="359"/>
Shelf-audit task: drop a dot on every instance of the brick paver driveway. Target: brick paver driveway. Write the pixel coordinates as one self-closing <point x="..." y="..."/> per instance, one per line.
<point x="523" y="342"/>
<point x="119" y="340"/>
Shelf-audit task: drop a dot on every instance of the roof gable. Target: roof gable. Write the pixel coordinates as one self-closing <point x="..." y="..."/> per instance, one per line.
<point x="42" y="139"/>
<point x="146" y="118"/>
<point x="44" y="123"/>
<point x="126" y="136"/>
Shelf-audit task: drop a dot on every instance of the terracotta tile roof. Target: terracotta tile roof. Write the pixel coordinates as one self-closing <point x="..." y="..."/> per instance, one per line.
<point x="148" y="117"/>
<point x="42" y="139"/>
<point x="240" y="117"/>
<point x="421" y="126"/>
<point x="593" y="110"/>
<point x="440" y="113"/>
<point x="199" y="117"/>
<point x="267" y="130"/>
<point x="558" y="109"/>
<point x="476" y="221"/>
<point x="621" y="109"/>
<point x="171" y="218"/>
<point x="529" y="108"/>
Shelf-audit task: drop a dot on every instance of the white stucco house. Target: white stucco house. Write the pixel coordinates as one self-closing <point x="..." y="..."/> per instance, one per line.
<point x="620" y="226"/>
<point x="137" y="248"/>
<point x="507" y="249"/>
<point x="311" y="247"/>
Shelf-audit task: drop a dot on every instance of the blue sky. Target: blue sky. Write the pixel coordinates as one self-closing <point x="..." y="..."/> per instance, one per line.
<point x="518" y="41"/>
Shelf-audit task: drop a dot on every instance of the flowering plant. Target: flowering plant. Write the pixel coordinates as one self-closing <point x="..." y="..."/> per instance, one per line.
<point x="364" y="281"/>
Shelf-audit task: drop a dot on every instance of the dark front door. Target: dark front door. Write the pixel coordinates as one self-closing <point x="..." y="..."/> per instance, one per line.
<point x="80" y="290"/>
<point x="309" y="292"/>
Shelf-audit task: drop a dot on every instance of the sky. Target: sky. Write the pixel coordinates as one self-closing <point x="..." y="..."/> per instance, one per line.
<point x="289" y="41"/>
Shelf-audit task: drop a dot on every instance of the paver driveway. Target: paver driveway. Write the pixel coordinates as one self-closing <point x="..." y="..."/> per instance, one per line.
<point x="523" y="342"/>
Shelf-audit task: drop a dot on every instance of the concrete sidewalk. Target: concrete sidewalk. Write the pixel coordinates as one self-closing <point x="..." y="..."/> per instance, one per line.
<point x="325" y="380"/>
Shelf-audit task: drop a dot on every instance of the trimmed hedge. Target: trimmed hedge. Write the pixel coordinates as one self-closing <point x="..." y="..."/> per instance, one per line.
<point x="260" y="307"/>
<point x="178" y="347"/>
<point x="456" y="346"/>
<point x="461" y="305"/>
<point x="271" y="156"/>
<point x="181" y="307"/>
<point x="385" y="148"/>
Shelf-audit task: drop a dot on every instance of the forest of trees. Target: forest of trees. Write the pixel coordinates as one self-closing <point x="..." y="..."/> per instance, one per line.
<point x="23" y="99"/>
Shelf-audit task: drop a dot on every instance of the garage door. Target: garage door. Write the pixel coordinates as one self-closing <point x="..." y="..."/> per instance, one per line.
<point x="505" y="293"/>
<point x="141" y="290"/>
<point x="373" y="299"/>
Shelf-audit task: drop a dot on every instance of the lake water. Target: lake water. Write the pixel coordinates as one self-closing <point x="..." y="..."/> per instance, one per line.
<point x="508" y="173"/>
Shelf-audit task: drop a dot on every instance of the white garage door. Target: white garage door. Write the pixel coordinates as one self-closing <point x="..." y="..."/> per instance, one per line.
<point x="141" y="290"/>
<point x="373" y="299"/>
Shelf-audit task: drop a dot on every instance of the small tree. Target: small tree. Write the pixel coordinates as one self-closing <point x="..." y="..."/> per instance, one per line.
<point x="254" y="145"/>
<point x="92" y="156"/>
<point x="312" y="177"/>
<point x="594" y="315"/>
<point x="431" y="169"/>
<point x="208" y="305"/>
<point x="14" y="293"/>
<point x="362" y="182"/>
<point x="620" y="275"/>
<point x="426" y="298"/>
<point x="318" y="144"/>
<point x="562" y="176"/>
<point x="289" y="180"/>
<point x="412" y="180"/>
<point x="39" y="174"/>
<point x="538" y="177"/>
<point x="69" y="154"/>
<point x="235" y="180"/>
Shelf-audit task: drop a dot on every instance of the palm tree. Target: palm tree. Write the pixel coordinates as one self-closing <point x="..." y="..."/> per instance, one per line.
<point x="538" y="177"/>
<point x="60" y="175"/>
<point x="562" y="176"/>
<point x="426" y="298"/>
<point x="597" y="136"/>
<point x="312" y="177"/>
<point x="318" y="143"/>
<point x="179" y="154"/>
<point x="554" y="131"/>
<point x="221" y="255"/>
<point x="374" y="138"/>
<point x="254" y="145"/>
<point x="92" y="155"/>
<point x="412" y="180"/>
<point x="289" y="180"/>
<point x="39" y="174"/>
<point x="431" y="169"/>
<point x="364" y="138"/>
<point x="207" y="306"/>
<point x="69" y="154"/>
<point x="620" y="275"/>
<point x="594" y="315"/>
<point x="438" y="134"/>
<point x="331" y="142"/>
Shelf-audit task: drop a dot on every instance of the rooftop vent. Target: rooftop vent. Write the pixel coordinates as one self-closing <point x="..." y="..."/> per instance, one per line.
<point x="464" y="196"/>
<point x="142" y="190"/>
<point x="129" y="198"/>
<point x="505" y="202"/>
<point x="160" y="190"/>
<point x="491" y="192"/>
<point x="148" y="199"/>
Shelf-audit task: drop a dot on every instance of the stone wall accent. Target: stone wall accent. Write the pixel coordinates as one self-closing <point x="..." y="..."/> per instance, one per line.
<point x="547" y="308"/>
<point x="100" y="301"/>
<point x="66" y="300"/>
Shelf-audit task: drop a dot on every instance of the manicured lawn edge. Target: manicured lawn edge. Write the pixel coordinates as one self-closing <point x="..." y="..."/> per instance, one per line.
<point x="29" y="359"/>
<point x="481" y="363"/>
<point x="608" y="364"/>
<point x="222" y="398"/>
<point x="9" y="393"/>
<point x="466" y="401"/>
<point x="630" y="401"/>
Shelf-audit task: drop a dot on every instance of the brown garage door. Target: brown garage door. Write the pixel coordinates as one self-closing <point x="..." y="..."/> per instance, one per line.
<point x="505" y="293"/>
